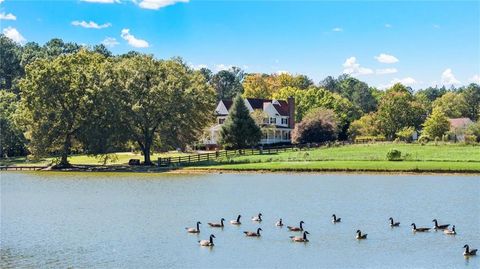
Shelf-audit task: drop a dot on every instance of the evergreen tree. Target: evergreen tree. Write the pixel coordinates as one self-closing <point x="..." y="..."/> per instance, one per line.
<point x="239" y="130"/>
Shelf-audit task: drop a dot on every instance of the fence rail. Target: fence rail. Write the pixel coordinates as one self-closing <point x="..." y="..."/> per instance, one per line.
<point x="205" y="157"/>
<point x="21" y="168"/>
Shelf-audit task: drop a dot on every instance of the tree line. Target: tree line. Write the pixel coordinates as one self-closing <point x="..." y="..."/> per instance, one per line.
<point x="62" y="98"/>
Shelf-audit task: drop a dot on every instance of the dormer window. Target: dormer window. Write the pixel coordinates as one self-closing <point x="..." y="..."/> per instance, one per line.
<point x="221" y="120"/>
<point x="284" y="121"/>
<point x="273" y="120"/>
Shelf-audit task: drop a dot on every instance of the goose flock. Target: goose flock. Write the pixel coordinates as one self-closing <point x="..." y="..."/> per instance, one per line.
<point x="303" y="238"/>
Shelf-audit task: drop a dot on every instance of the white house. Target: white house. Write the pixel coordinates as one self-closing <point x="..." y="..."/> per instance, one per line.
<point x="278" y="123"/>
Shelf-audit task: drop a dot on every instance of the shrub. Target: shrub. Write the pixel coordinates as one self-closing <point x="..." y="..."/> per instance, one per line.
<point x="406" y="134"/>
<point x="423" y="139"/>
<point x="397" y="140"/>
<point x="394" y="155"/>
<point x="470" y="139"/>
<point x="318" y="126"/>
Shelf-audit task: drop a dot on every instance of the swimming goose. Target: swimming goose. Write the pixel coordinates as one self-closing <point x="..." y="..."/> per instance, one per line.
<point x="469" y="252"/>
<point x="440" y="227"/>
<point x="254" y="234"/>
<point x="194" y="230"/>
<point x="393" y="224"/>
<point x="300" y="238"/>
<point x="335" y="220"/>
<point x="450" y="232"/>
<point x="296" y="229"/>
<point x="360" y="235"/>
<point x="258" y="217"/>
<point x="279" y="223"/>
<point x="217" y="224"/>
<point x="236" y="222"/>
<point x="415" y="229"/>
<point x="207" y="243"/>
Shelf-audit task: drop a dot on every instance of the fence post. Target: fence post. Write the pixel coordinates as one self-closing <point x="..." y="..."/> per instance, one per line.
<point x="188" y="158"/>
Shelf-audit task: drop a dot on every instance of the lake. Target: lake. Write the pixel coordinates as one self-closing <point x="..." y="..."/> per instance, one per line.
<point x="102" y="220"/>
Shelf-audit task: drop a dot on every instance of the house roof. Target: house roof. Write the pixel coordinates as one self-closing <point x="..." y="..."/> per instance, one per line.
<point x="460" y="122"/>
<point x="257" y="103"/>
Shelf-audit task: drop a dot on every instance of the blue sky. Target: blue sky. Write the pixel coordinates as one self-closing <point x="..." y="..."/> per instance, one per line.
<point x="381" y="42"/>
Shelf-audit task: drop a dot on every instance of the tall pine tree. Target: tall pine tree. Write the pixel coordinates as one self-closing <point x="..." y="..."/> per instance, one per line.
<point x="239" y="130"/>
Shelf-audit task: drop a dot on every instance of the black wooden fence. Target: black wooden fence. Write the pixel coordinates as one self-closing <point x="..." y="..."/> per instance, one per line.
<point x="212" y="156"/>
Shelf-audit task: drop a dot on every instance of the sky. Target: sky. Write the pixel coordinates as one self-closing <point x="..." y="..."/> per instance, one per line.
<point x="418" y="43"/>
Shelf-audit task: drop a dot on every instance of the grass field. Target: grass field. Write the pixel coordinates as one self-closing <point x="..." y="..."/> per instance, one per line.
<point x="121" y="158"/>
<point x="363" y="157"/>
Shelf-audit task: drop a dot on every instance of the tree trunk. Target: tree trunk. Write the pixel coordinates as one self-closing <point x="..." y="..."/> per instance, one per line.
<point x="146" y="153"/>
<point x="66" y="149"/>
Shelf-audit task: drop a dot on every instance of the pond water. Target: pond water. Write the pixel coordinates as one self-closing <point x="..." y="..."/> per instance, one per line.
<point x="87" y="220"/>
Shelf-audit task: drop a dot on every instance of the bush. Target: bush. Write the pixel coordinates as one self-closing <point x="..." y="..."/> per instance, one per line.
<point x="318" y="126"/>
<point x="394" y="155"/>
<point x="470" y="139"/>
<point x="423" y="139"/>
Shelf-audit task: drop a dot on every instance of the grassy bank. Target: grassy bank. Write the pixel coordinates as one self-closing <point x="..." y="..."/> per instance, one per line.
<point x="365" y="157"/>
<point x="121" y="158"/>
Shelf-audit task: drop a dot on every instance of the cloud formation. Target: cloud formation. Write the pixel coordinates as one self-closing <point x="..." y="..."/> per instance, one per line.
<point x="132" y="40"/>
<point x="353" y="68"/>
<point x="448" y="78"/>
<point x="90" y="24"/>
<point x="337" y="29"/>
<point x="157" y="4"/>
<point x="14" y="35"/>
<point x="475" y="79"/>
<point x="7" y="16"/>
<point x="386" y="58"/>
<point x="110" y="42"/>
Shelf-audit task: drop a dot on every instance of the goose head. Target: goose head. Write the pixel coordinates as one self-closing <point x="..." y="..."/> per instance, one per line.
<point x="413" y="224"/>
<point x="212" y="236"/>
<point x="198" y="222"/>
<point x="306" y="232"/>
<point x="466" y="246"/>
<point x="258" y="230"/>
<point x="222" y="219"/>
<point x="434" y="220"/>
<point x="259" y="215"/>
<point x="333" y="216"/>
<point x="358" y="231"/>
<point x="390" y="219"/>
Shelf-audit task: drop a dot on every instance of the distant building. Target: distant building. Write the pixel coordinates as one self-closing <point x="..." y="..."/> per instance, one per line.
<point x="458" y="127"/>
<point x="277" y="125"/>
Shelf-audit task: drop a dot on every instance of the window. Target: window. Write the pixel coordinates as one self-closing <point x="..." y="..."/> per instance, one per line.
<point x="273" y="120"/>
<point x="285" y="121"/>
<point x="221" y="120"/>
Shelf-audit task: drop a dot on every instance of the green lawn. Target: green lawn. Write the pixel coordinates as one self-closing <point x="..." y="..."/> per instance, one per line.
<point x="121" y="158"/>
<point x="362" y="157"/>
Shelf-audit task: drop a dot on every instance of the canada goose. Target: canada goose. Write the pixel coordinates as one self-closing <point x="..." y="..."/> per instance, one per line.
<point x="194" y="230"/>
<point x="279" y="223"/>
<point x="335" y="220"/>
<point x="296" y="229"/>
<point x="258" y="217"/>
<point x="254" y="234"/>
<point x="469" y="252"/>
<point x="300" y="238"/>
<point x="415" y="229"/>
<point x="440" y="227"/>
<point x="236" y="222"/>
<point x="450" y="232"/>
<point x="217" y="224"/>
<point x="207" y="243"/>
<point x="393" y="224"/>
<point x="360" y="235"/>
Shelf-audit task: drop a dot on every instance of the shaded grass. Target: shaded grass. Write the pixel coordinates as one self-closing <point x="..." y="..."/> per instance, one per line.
<point x="121" y="158"/>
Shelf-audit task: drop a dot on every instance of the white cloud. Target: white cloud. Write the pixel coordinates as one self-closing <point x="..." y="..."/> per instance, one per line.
<point x="353" y="68"/>
<point x="408" y="81"/>
<point x="90" y="24"/>
<point x="132" y="40"/>
<point x="220" y="67"/>
<point x="448" y="78"/>
<point x="101" y="1"/>
<point x="110" y="42"/>
<point x="197" y="66"/>
<point x="388" y="25"/>
<point x="14" y="35"/>
<point x="386" y="71"/>
<point x="337" y="29"/>
<point x="475" y="79"/>
<point x="386" y="58"/>
<point x="9" y="16"/>
<point x="157" y="4"/>
<point x="1" y="1"/>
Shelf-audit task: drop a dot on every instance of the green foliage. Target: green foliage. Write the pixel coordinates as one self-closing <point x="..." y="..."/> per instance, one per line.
<point x="318" y="126"/>
<point x="398" y="109"/>
<point x="367" y="125"/>
<point x="10" y="68"/>
<point x="57" y="100"/>
<point x="12" y="141"/>
<point x="472" y="96"/>
<point x="406" y="134"/>
<point x="453" y="105"/>
<point x="239" y="130"/>
<point x="474" y="130"/>
<point x="227" y="83"/>
<point x="437" y="124"/>
<point x="394" y="155"/>
<point x="265" y="86"/>
<point x="423" y="139"/>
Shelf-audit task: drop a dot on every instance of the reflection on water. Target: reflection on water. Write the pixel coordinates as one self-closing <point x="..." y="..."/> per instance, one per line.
<point x="138" y="221"/>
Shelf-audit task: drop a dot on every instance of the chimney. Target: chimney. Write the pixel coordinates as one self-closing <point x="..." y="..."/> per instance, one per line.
<point x="291" y="112"/>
